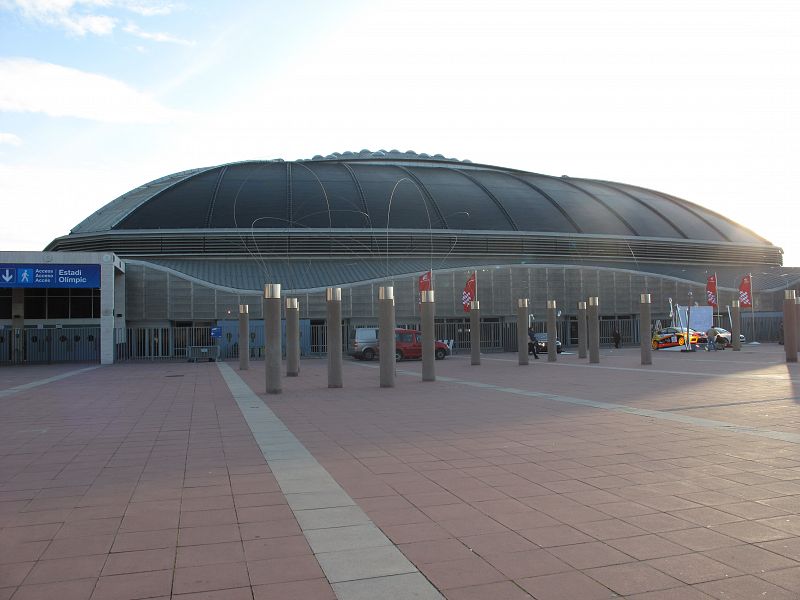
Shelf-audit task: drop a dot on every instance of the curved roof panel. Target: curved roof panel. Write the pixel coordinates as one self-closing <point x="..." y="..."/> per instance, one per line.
<point x="405" y="190"/>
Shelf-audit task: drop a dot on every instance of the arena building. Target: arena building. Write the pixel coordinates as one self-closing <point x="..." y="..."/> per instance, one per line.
<point x="189" y="248"/>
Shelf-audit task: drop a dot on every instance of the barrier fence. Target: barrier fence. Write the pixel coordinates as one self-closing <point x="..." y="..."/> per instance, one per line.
<point x="49" y="345"/>
<point x="82" y="344"/>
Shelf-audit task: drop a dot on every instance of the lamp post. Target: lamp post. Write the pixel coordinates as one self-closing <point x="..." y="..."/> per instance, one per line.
<point x="272" y="337"/>
<point x="688" y="319"/>
<point x="522" y="331"/>
<point x="244" y="340"/>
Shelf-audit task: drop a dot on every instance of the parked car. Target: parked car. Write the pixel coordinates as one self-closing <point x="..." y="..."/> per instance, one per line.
<point x="408" y="344"/>
<point x="670" y="337"/>
<point x="729" y="336"/>
<point x="541" y="342"/>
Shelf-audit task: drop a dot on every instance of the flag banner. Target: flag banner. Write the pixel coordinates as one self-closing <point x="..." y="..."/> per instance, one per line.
<point x="711" y="290"/>
<point x="468" y="295"/>
<point x="746" y="292"/>
<point x="425" y="281"/>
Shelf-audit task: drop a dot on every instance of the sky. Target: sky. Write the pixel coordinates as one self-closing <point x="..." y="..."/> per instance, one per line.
<point x="699" y="99"/>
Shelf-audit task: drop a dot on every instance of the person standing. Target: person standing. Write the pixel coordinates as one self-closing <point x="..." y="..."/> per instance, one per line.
<point x="617" y="338"/>
<point x="533" y="343"/>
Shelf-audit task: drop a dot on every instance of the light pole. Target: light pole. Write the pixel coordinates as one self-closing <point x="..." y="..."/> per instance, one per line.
<point x="688" y="319"/>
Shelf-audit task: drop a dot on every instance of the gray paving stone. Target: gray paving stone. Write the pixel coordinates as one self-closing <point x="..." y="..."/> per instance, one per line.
<point x="353" y="537"/>
<point x="364" y="563"/>
<point x="324" y="518"/>
<point x="412" y="586"/>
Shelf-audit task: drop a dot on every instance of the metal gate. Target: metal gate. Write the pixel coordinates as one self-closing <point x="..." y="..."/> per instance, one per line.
<point x="49" y="345"/>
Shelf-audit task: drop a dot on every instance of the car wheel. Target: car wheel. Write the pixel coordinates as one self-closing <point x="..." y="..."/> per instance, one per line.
<point x="398" y="355"/>
<point x="680" y="340"/>
<point x="440" y="354"/>
<point x="558" y="350"/>
<point x="655" y="345"/>
<point x="369" y="354"/>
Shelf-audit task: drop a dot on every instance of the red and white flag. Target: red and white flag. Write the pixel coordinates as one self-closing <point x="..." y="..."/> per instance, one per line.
<point x="746" y="292"/>
<point x="711" y="290"/>
<point x="468" y="295"/>
<point x="425" y="281"/>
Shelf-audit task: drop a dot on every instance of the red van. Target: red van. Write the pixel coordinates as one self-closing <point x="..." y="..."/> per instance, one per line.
<point x="408" y="344"/>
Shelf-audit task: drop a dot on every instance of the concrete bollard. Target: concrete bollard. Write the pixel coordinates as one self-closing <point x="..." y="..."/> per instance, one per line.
<point x="790" y="326"/>
<point x="272" y="337"/>
<point x="292" y="337"/>
<point x="522" y="331"/>
<point x="552" y="334"/>
<point x="333" y="324"/>
<point x="244" y="337"/>
<point x="736" y="325"/>
<point x="582" y="333"/>
<point x="797" y="321"/>
<point x="645" y="339"/>
<point x="475" y="332"/>
<point x="386" y="341"/>
<point x="593" y="328"/>
<point x="428" y="307"/>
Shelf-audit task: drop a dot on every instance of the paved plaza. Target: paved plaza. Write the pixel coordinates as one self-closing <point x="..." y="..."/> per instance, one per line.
<point x="554" y="481"/>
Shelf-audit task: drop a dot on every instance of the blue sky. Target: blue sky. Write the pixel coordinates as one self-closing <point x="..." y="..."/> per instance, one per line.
<point x="698" y="99"/>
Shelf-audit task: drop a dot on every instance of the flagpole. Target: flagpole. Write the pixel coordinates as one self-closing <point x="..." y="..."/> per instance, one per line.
<point x="716" y="293"/>
<point x="752" y="308"/>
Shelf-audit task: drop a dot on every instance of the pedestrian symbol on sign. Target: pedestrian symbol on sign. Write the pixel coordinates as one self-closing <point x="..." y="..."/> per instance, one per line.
<point x="25" y="275"/>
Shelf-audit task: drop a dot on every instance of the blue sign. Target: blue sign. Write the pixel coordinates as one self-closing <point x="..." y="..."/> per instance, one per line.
<point x="49" y="276"/>
<point x="216" y="332"/>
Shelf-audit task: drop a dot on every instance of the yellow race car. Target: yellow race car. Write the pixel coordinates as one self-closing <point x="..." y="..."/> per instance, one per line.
<point x="670" y="337"/>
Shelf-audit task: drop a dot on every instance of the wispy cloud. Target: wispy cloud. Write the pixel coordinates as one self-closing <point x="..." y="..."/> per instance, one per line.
<point x="10" y="139"/>
<point x="133" y="29"/>
<point x="77" y="17"/>
<point x="81" y="17"/>
<point x="31" y="86"/>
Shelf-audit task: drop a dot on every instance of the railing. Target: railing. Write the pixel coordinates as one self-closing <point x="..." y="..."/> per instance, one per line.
<point x="49" y="345"/>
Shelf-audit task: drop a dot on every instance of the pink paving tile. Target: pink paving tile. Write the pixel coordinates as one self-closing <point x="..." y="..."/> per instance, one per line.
<point x="209" y="554"/>
<point x="435" y="551"/>
<point x="693" y="568"/>
<point x="316" y="589"/>
<point x="83" y="546"/>
<point x="264" y="499"/>
<point x="282" y="570"/>
<point x="204" y="579"/>
<point x="139" y="561"/>
<point x="276" y="548"/>
<point x="199" y="518"/>
<point x="242" y="593"/>
<point x="644" y="547"/>
<point x="270" y="529"/>
<point x="679" y="593"/>
<point x="789" y="548"/>
<point x="460" y="573"/>
<point x="750" y="531"/>
<point x="590" y="554"/>
<point x="751" y="559"/>
<point x="530" y="563"/>
<point x="66" y="569"/>
<point x="133" y="586"/>
<point x="632" y="578"/>
<point x="746" y="587"/>
<point x="13" y="574"/>
<point x="62" y="590"/>
<point x="495" y="543"/>
<point x="21" y="551"/>
<point x="416" y="532"/>
<point x="466" y="526"/>
<point x="256" y="514"/>
<point x="504" y="590"/>
<point x="555" y="535"/>
<point x="565" y="586"/>
<point x="529" y="519"/>
<point x="700" y="538"/>
<point x="212" y="534"/>
<point x="145" y="540"/>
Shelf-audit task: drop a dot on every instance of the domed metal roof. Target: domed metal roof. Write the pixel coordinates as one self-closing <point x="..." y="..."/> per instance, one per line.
<point x="405" y="190"/>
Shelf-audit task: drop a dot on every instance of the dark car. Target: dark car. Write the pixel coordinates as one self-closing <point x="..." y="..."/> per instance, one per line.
<point x="541" y="341"/>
